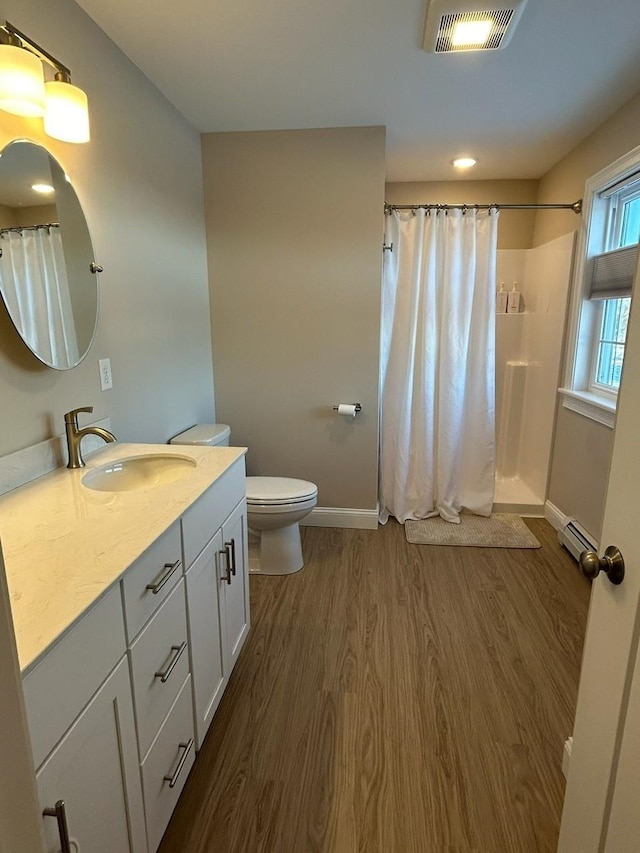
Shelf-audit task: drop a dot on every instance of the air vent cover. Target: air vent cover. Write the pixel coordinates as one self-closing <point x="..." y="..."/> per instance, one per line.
<point x="445" y="16"/>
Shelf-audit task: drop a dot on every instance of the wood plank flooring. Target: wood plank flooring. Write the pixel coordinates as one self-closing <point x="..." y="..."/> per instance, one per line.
<point x="395" y="698"/>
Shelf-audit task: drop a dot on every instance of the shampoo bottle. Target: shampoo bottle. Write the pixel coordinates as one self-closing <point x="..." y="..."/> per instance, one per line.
<point x="513" y="301"/>
<point x="501" y="300"/>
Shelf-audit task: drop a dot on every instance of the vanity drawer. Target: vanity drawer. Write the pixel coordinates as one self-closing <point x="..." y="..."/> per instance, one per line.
<point x="151" y="578"/>
<point x="201" y="520"/>
<point x="168" y="764"/>
<point x="60" y="685"/>
<point x="159" y="665"/>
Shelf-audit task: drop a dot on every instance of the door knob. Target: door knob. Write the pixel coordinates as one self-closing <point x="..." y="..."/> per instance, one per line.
<point x="612" y="563"/>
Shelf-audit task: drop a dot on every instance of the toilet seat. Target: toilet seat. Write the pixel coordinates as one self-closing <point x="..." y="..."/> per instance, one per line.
<point x="278" y="491"/>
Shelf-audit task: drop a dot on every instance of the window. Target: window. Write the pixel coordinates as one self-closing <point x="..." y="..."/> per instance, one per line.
<point x="605" y="270"/>
<point x="608" y="356"/>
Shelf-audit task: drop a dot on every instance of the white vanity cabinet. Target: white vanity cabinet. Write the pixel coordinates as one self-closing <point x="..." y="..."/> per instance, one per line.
<point x="118" y="705"/>
<point x="215" y="554"/>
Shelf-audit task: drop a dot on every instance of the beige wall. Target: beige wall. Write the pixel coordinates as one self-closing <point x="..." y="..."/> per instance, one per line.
<point x="582" y="447"/>
<point x="565" y="182"/>
<point x="294" y="224"/>
<point x="140" y="183"/>
<point x="516" y="226"/>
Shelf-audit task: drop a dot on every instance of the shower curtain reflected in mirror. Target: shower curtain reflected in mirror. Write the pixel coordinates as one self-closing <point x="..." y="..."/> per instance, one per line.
<point x="36" y="291"/>
<point x="437" y="430"/>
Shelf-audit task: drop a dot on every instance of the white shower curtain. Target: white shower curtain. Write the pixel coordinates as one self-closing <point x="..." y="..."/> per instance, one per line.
<point x="437" y="452"/>
<point x="35" y="288"/>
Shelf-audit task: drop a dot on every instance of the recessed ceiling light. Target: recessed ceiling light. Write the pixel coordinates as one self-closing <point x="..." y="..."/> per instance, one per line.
<point x="42" y="188"/>
<point x="464" y="162"/>
<point x="471" y="33"/>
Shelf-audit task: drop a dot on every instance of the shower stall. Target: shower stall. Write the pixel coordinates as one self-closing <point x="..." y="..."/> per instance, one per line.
<point x="528" y="362"/>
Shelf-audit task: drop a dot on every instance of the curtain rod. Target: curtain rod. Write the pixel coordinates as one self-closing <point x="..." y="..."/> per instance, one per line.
<point x="18" y="229"/>
<point x="576" y="206"/>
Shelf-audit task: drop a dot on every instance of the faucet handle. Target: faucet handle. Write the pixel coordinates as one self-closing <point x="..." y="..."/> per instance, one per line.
<point x="72" y="416"/>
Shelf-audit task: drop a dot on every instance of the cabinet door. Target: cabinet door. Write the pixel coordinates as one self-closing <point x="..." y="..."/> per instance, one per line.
<point x="205" y="638"/>
<point x="234" y="586"/>
<point x="94" y="770"/>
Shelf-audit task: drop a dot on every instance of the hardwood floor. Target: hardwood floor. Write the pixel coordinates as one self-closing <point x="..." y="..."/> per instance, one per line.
<point x="395" y="698"/>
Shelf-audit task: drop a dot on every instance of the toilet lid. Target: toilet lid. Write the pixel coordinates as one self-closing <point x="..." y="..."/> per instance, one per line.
<point x="278" y="490"/>
<point x="211" y="434"/>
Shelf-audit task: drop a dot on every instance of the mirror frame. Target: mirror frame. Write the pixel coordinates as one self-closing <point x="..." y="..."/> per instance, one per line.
<point x="94" y="268"/>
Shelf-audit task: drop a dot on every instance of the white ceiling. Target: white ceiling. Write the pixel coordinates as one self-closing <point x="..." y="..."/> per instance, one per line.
<point x="286" y="64"/>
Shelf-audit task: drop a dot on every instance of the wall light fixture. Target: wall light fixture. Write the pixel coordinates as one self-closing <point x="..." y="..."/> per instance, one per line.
<point x="24" y="91"/>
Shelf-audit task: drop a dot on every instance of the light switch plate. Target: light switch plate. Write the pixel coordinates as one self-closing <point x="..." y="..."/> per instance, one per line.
<point x="106" y="380"/>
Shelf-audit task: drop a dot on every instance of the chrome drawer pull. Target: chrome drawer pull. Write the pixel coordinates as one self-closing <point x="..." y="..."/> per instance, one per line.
<point x="164" y="675"/>
<point x="174" y="778"/>
<point x="230" y="548"/>
<point x="156" y="587"/>
<point x="60" y="814"/>
<point x="227" y="560"/>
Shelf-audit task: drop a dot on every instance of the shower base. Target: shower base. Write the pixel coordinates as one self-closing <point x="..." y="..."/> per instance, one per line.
<point x="515" y="495"/>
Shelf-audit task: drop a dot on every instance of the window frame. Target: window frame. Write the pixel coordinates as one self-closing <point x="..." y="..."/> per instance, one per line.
<point x="599" y="220"/>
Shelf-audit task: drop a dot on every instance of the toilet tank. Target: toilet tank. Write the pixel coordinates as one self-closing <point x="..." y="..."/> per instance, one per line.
<point x="209" y="434"/>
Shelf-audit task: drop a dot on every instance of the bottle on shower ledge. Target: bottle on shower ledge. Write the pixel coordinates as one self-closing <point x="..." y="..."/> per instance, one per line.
<point x="513" y="300"/>
<point x="501" y="299"/>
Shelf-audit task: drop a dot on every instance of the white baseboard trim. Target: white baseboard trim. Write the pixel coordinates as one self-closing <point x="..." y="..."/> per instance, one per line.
<point x="523" y="510"/>
<point x="566" y="756"/>
<point x="328" y="516"/>
<point x="554" y="516"/>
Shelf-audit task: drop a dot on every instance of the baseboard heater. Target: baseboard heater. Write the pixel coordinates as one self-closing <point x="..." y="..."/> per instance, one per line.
<point x="576" y="539"/>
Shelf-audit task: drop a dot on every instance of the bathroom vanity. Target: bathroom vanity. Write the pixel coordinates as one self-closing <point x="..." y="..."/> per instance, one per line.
<point x="130" y="608"/>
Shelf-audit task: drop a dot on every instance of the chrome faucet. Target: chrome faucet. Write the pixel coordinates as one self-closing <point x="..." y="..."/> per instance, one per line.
<point x="75" y="436"/>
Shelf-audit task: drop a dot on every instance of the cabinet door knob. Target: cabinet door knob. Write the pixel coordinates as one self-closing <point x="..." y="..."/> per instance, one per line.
<point x="60" y="814"/>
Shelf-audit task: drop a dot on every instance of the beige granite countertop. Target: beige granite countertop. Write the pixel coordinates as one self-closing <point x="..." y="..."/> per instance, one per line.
<point x="65" y="545"/>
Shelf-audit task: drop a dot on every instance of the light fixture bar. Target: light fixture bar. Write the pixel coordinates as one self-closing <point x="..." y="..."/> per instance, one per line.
<point x="34" y="47"/>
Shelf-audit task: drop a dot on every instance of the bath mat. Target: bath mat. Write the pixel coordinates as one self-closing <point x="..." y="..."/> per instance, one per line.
<point x="502" y="530"/>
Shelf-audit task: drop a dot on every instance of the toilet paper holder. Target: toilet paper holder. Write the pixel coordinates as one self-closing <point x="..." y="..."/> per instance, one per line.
<point x="357" y="407"/>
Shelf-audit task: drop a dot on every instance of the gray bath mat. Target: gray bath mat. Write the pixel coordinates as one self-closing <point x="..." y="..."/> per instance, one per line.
<point x="502" y="530"/>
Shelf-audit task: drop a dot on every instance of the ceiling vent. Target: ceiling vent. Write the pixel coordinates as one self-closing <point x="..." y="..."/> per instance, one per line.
<point x="453" y="26"/>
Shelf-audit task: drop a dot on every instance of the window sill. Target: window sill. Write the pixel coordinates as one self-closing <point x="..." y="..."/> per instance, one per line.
<point x="590" y="405"/>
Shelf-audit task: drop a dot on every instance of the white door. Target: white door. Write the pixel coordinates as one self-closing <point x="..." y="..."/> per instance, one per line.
<point x="596" y="813"/>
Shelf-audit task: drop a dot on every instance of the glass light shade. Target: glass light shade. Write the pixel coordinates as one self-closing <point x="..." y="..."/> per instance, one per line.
<point x="471" y="33"/>
<point x="66" y="115"/>
<point x="21" y="82"/>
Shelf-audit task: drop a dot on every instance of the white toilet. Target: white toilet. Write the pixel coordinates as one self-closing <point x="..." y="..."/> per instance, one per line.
<point x="275" y="507"/>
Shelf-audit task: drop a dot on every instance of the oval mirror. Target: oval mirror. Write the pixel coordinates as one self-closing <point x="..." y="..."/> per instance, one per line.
<point x="46" y="276"/>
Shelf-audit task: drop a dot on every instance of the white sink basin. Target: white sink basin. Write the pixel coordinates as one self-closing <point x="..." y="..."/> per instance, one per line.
<point x="138" y="472"/>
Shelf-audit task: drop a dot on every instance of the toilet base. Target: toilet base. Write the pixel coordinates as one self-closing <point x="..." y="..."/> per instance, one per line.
<point x="275" y="552"/>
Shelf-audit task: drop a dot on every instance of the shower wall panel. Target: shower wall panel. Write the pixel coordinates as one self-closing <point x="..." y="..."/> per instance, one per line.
<point x="528" y="358"/>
